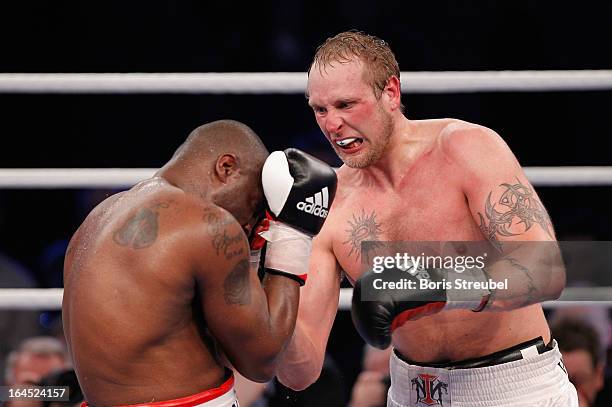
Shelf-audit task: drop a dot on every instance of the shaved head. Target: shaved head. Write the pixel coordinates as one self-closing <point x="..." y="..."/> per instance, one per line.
<point x="211" y="140"/>
<point x="221" y="162"/>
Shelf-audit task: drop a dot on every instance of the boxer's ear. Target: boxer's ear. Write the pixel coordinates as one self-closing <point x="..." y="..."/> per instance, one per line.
<point x="393" y="93"/>
<point x="226" y="166"/>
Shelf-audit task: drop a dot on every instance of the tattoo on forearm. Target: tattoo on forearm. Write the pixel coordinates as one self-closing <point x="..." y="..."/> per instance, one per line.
<point x="362" y="228"/>
<point x="492" y="291"/>
<point x="517" y="205"/>
<point x="139" y="231"/>
<point x="531" y="294"/>
<point x="236" y="288"/>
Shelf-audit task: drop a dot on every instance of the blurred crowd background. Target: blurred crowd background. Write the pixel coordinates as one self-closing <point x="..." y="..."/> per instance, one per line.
<point x="40" y="131"/>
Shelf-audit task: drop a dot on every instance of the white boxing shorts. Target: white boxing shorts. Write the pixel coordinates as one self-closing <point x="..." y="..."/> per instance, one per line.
<point x="535" y="379"/>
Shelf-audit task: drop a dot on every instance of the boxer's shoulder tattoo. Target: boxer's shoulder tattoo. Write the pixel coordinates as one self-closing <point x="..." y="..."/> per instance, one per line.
<point x="139" y="231"/>
<point x="362" y="227"/>
<point x="230" y="244"/>
<point x="236" y="287"/>
<point x="516" y="211"/>
<point x="216" y="222"/>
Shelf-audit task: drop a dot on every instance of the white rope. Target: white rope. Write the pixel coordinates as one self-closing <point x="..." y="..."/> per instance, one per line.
<point x="295" y="82"/>
<point x="569" y="176"/>
<point x="72" y="177"/>
<point x="571" y="297"/>
<point x="124" y="177"/>
<point x="42" y="299"/>
<point x="49" y="299"/>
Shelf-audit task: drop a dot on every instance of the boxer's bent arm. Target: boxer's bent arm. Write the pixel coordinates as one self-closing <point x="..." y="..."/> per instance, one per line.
<point x="252" y="324"/>
<point x="303" y="360"/>
<point x="510" y="216"/>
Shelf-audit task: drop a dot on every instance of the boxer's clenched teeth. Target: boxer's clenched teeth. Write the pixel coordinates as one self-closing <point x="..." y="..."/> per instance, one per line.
<point x="349" y="142"/>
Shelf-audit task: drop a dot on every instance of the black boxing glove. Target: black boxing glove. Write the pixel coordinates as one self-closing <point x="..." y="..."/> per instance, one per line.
<point x="378" y="310"/>
<point x="299" y="191"/>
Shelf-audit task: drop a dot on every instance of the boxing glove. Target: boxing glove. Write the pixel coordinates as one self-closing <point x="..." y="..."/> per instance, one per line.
<point x="379" y="310"/>
<point x="299" y="191"/>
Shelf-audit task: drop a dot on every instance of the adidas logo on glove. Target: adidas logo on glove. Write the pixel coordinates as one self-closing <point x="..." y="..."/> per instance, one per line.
<point x="316" y="205"/>
<point x="299" y="189"/>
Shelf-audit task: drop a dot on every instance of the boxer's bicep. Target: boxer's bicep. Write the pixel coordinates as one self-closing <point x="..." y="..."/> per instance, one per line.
<point x="506" y="208"/>
<point x="511" y="216"/>
<point x="503" y="204"/>
<point x="233" y="301"/>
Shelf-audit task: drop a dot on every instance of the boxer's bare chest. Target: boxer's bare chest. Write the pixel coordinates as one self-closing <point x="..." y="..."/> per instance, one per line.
<point x="423" y="207"/>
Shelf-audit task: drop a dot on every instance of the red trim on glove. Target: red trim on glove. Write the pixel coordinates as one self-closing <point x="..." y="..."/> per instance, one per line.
<point x="483" y="303"/>
<point x="416" y="313"/>
<point x="257" y="242"/>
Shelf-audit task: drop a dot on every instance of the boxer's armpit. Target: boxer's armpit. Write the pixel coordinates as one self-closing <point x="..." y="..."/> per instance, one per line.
<point x="236" y="286"/>
<point x="516" y="211"/>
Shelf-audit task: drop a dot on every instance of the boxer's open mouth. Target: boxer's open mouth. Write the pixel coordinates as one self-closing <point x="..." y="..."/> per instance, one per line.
<point x="348" y="143"/>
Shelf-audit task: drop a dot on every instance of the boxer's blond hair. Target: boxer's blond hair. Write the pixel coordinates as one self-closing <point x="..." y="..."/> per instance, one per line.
<point x="376" y="55"/>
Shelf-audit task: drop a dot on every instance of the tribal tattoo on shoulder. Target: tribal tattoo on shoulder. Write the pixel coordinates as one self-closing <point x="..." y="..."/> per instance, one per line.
<point x="517" y="205"/>
<point x="362" y="228"/>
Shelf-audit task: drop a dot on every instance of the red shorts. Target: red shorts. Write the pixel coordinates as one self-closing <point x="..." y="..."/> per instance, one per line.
<point x="222" y="396"/>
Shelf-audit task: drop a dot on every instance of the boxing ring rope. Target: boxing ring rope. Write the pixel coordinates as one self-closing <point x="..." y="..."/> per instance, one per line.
<point x="283" y="83"/>
<point x="50" y="178"/>
<point x="295" y="82"/>
<point x="49" y="299"/>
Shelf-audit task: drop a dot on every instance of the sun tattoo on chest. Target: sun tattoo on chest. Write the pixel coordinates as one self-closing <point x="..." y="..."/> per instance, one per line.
<point x="361" y="228"/>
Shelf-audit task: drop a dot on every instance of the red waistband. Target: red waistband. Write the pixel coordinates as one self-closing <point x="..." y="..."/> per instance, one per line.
<point x="188" y="401"/>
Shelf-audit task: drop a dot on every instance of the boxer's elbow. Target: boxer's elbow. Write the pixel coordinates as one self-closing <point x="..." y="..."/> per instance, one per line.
<point x="556" y="276"/>
<point x="300" y="375"/>
<point x="557" y="284"/>
<point x="260" y="369"/>
<point x="298" y="383"/>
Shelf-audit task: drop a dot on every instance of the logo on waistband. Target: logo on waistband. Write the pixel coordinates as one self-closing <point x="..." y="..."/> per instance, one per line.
<point x="429" y="390"/>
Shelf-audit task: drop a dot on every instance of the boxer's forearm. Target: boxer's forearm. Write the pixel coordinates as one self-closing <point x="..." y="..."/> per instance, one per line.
<point x="534" y="273"/>
<point x="283" y="296"/>
<point x="256" y="353"/>
<point x="301" y="362"/>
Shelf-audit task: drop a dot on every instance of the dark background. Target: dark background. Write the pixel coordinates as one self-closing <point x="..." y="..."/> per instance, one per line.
<point x="543" y="129"/>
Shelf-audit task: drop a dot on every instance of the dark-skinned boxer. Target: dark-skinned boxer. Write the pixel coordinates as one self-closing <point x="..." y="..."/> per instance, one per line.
<point x="159" y="293"/>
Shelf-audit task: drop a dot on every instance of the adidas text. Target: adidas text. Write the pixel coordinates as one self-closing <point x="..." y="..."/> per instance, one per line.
<point x="316" y="210"/>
